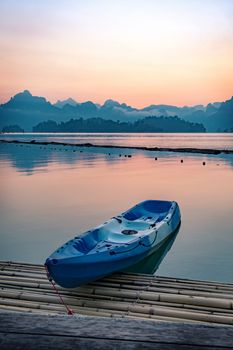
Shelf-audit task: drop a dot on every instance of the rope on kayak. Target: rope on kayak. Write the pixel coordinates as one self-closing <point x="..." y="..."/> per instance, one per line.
<point x="69" y="311"/>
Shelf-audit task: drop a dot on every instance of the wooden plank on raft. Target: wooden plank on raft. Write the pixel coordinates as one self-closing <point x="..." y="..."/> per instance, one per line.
<point x="25" y="287"/>
<point x="30" y="331"/>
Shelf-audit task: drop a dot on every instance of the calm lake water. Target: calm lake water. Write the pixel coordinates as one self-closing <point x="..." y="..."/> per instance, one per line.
<point x="172" y="140"/>
<point x="50" y="194"/>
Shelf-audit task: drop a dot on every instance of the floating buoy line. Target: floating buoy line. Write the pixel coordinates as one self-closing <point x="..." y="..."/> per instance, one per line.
<point x="33" y="142"/>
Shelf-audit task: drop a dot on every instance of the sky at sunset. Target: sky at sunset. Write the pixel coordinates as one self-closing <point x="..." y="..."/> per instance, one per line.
<point x="135" y="51"/>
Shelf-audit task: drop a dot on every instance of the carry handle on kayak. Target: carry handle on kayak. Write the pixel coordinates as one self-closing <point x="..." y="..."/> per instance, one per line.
<point x="118" y="219"/>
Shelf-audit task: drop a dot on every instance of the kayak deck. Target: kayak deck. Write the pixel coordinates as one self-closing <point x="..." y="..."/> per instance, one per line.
<point x="124" y="229"/>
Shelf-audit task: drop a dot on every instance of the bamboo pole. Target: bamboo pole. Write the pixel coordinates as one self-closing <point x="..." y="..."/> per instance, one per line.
<point x="148" y="278"/>
<point x="155" y="282"/>
<point x="18" y="274"/>
<point x="173" y="290"/>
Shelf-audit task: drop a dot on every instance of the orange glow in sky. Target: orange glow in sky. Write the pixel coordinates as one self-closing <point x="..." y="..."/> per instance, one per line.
<point x="139" y="52"/>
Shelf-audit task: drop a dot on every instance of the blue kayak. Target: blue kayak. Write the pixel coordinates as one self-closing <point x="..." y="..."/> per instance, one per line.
<point x="119" y="243"/>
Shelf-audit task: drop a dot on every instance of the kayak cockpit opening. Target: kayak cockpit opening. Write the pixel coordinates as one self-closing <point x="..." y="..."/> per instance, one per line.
<point x="148" y="210"/>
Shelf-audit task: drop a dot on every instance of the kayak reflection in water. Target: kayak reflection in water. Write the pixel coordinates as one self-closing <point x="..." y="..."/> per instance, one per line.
<point x="151" y="264"/>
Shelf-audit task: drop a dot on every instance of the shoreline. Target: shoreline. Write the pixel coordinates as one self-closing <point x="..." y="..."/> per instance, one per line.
<point x="155" y="149"/>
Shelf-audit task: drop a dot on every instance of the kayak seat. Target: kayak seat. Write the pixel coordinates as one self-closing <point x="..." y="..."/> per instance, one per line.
<point x="160" y="217"/>
<point x="131" y="216"/>
<point x="148" y="209"/>
<point x="154" y="206"/>
<point x="86" y="243"/>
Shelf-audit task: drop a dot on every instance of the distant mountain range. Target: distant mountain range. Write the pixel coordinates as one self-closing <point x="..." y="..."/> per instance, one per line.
<point x="26" y="111"/>
<point x="147" y="124"/>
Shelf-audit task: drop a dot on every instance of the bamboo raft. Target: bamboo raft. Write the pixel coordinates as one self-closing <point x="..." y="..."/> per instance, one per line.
<point x="25" y="288"/>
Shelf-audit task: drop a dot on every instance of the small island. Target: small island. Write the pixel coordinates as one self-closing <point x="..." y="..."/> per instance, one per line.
<point x="12" y="128"/>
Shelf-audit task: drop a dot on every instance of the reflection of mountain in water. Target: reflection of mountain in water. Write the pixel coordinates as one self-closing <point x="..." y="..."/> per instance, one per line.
<point x="35" y="158"/>
<point x="150" y="264"/>
<point x="24" y="158"/>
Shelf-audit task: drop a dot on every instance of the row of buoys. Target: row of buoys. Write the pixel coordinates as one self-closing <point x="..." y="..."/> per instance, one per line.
<point x="60" y="149"/>
<point x="124" y="155"/>
<point x="182" y="161"/>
